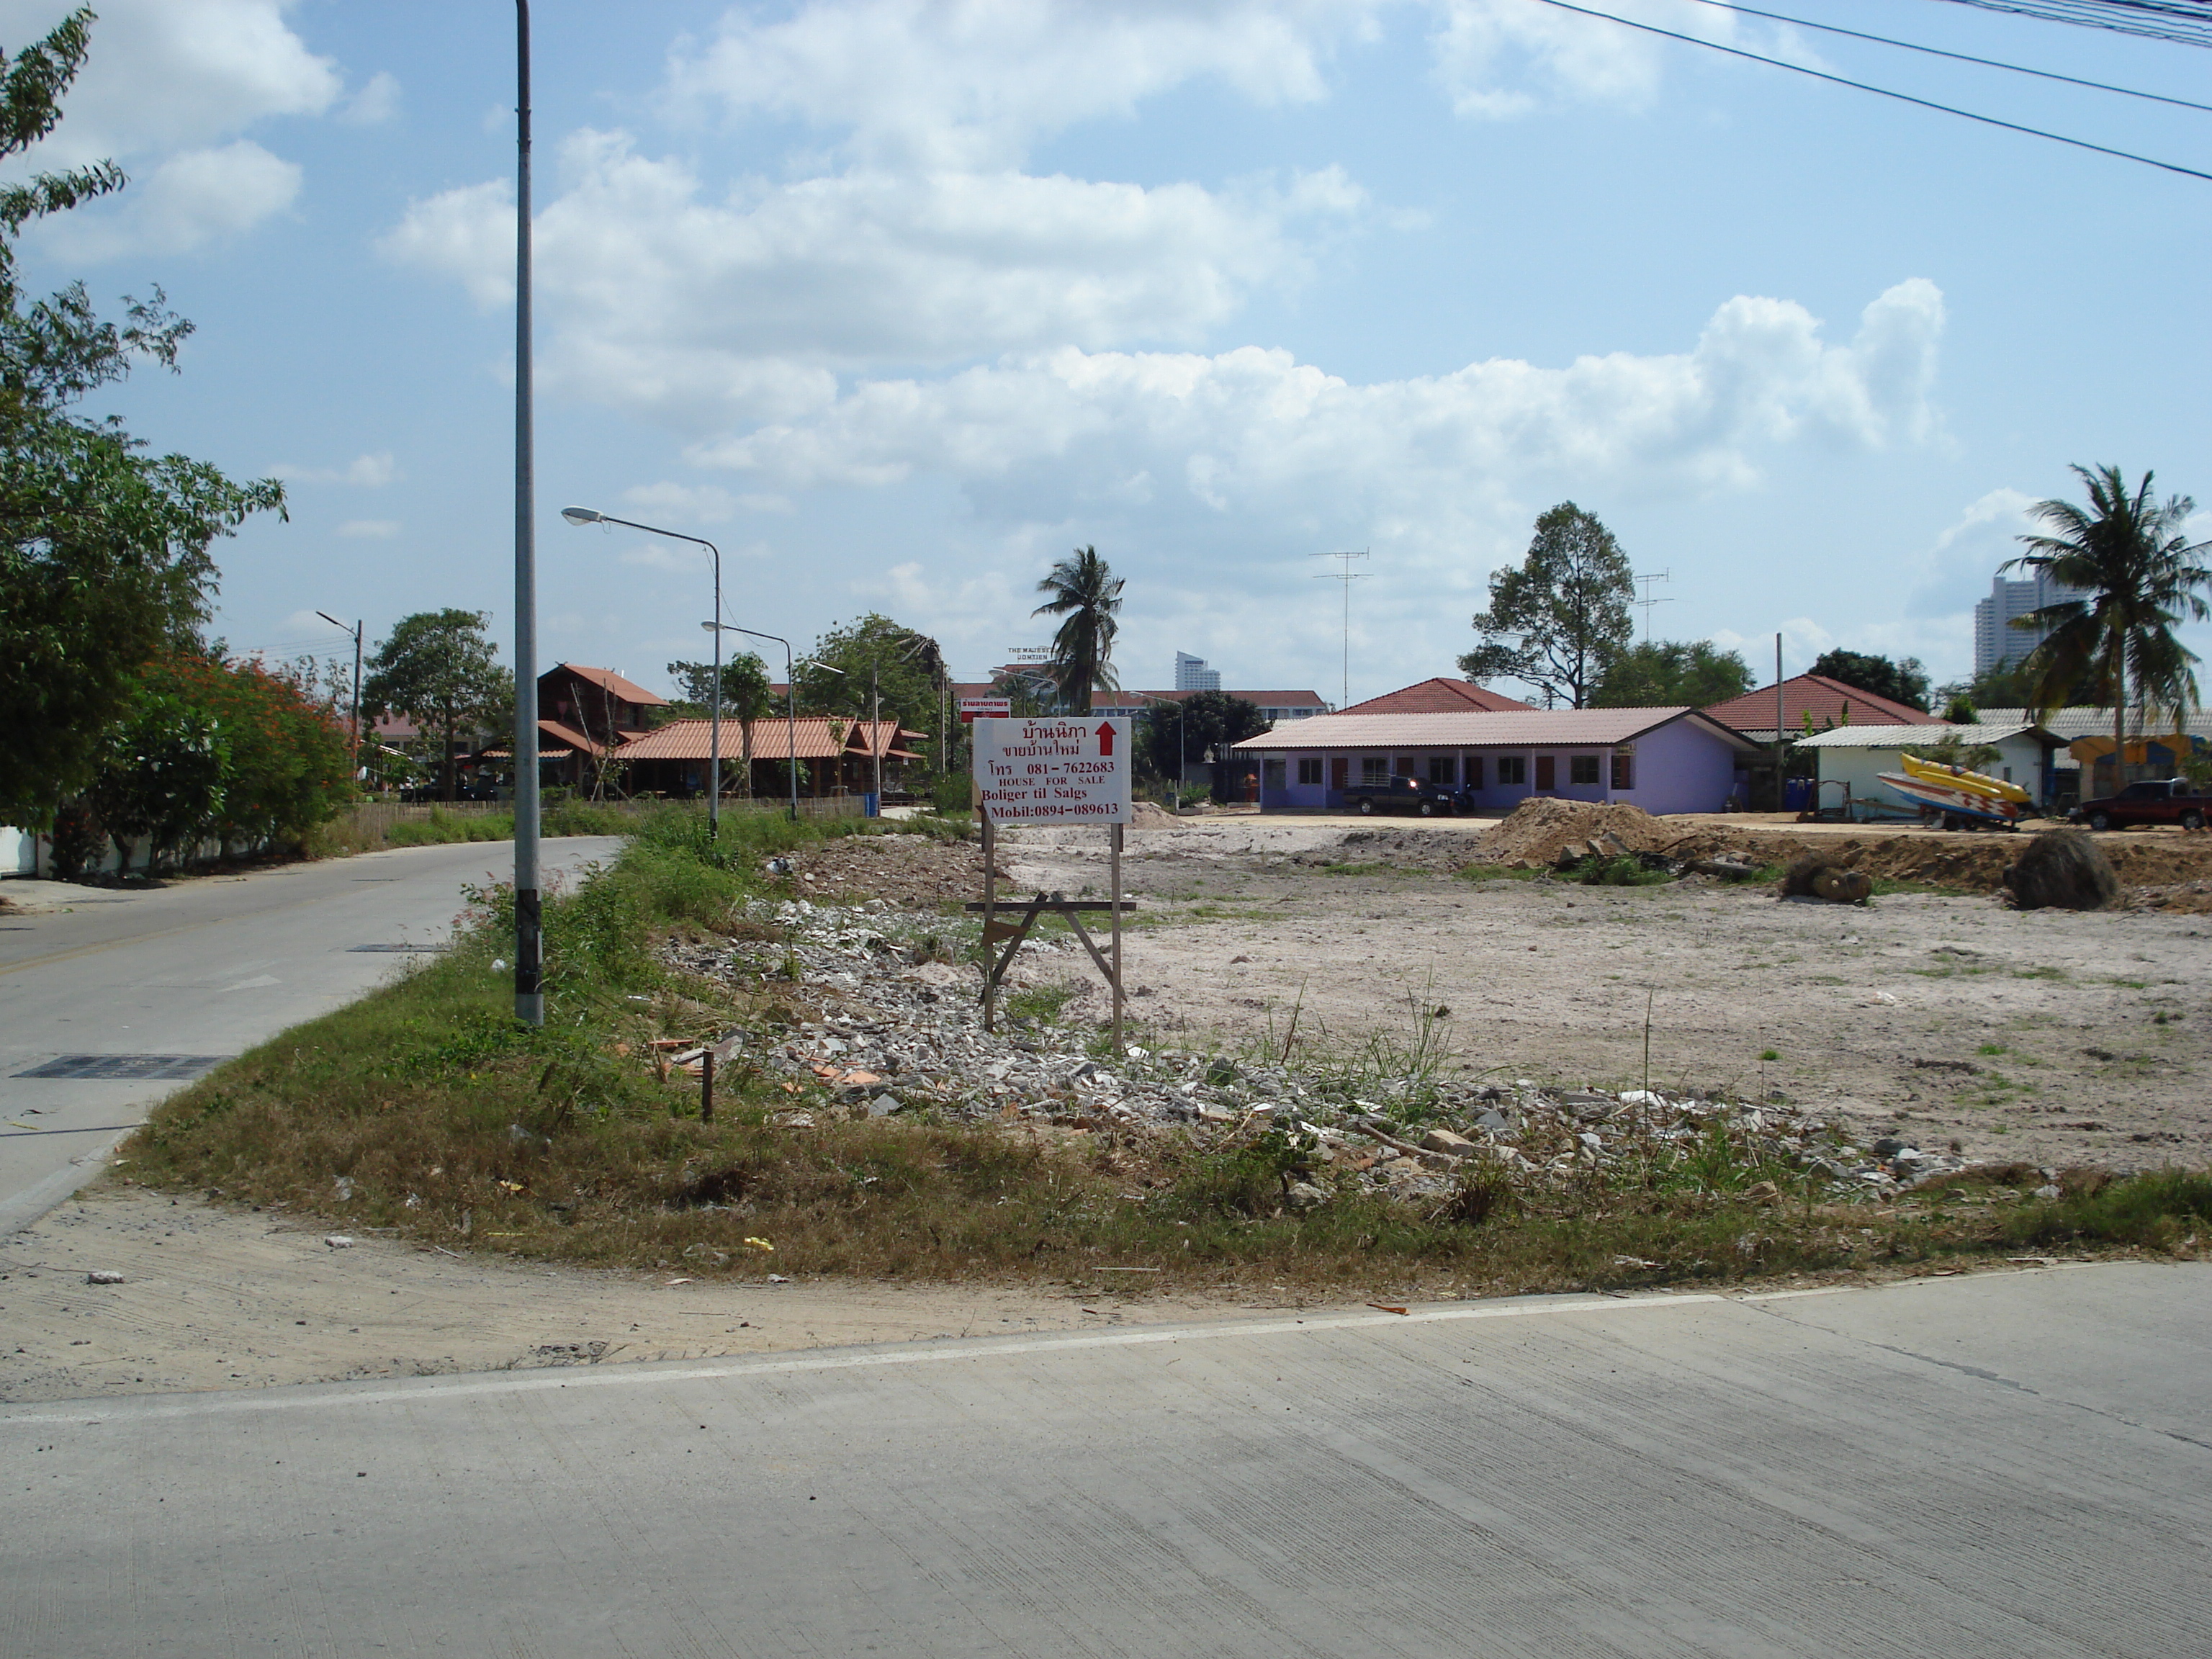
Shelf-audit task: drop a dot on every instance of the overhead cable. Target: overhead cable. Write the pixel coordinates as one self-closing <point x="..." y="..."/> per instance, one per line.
<point x="2182" y="22"/>
<point x="1955" y="56"/>
<point x="1884" y="92"/>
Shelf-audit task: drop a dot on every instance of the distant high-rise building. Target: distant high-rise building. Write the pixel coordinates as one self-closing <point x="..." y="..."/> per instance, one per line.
<point x="1998" y="643"/>
<point x="1193" y="675"/>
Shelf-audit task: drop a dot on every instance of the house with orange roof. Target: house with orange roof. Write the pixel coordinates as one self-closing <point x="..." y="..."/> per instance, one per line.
<point x="1826" y="702"/>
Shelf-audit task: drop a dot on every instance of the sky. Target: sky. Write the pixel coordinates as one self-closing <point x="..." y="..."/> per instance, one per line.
<point x="897" y="303"/>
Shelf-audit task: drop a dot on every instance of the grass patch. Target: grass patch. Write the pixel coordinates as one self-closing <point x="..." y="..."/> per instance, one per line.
<point x="1496" y="872"/>
<point x="427" y="1110"/>
<point x="1624" y="871"/>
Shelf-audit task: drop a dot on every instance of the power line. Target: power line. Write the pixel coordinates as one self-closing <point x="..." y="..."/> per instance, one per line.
<point x="1882" y="92"/>
<point x="1955" y="56"/>
<point x="2181" y="22"/>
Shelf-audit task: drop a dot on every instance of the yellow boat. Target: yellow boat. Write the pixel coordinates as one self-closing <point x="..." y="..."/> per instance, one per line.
<point x="1957" y="777"/>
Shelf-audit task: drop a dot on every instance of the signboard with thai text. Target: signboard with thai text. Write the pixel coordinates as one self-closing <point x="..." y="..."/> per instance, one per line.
<point x="1053" y="771"/>
<point x="975" y="708"/>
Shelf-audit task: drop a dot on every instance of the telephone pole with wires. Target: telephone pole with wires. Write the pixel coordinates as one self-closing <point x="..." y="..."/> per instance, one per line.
<point x="1347" y="576"/>
<point x="1648" y="600"/>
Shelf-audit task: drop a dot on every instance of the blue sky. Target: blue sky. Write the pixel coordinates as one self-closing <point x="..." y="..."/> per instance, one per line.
<point x="900" y="302"/>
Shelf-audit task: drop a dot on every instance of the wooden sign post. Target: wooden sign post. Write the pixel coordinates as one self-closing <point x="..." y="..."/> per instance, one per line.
<point x="1050" y="770"/>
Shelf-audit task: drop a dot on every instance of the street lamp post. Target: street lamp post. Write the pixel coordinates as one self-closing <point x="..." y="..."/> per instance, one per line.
<point x="790" y="698"/>
<point x="817" y="662"/>
<point x="529" y="919"/>
<point x="355" y="631"/>
<point x="583" y="516"/>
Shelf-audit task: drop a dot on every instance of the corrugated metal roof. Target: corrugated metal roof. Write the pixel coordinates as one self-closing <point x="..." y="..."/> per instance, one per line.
<point x="691" y="739"/>
<point x="1441" y="697"/>
<point x="1829" y="702"/>
<point x="2081" y="721"/>
<point x="1538" y="728"/>
<point x="1917" y="737"/>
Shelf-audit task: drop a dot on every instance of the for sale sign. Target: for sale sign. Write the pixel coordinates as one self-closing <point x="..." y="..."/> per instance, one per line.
<point x="975" y="708"/>
<point x="1053" y="771"/>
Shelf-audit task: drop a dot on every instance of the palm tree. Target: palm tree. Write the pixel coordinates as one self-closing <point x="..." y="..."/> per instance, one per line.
<point x="1086" y="593"/>
<point x="2139" y="577"/>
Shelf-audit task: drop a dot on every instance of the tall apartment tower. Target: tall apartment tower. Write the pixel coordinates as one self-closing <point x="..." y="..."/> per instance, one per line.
<point x="1193" y="675"/>
<point x="1996" y="641"/>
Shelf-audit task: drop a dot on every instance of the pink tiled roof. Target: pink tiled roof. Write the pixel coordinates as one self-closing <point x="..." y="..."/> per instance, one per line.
<point x="1825" y="700"/>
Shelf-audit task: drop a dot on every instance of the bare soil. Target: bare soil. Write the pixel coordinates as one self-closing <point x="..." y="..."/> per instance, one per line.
<point x="2054" y="1037"/>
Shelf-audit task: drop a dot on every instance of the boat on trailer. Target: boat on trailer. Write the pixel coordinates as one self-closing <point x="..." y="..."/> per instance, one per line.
<point x="1960" y="797"/>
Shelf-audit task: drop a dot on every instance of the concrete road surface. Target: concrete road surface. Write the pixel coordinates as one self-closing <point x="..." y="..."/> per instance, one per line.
<point x="195" y="972"/>
<point x="2009" y="1466"/>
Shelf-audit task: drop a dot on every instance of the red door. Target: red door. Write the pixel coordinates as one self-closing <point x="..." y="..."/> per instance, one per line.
<point x="1547" y="778"/>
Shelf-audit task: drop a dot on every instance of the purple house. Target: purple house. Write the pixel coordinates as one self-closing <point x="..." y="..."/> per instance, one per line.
<point x="1663" y="760"/>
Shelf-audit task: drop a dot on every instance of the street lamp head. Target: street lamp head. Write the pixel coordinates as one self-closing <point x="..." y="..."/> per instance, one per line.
<point x="810" y="662"/>
<point x="582" y="515"/>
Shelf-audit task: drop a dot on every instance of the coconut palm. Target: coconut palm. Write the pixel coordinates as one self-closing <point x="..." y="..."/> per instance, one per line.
<point x="2139" y="577"/>
<point x="1086" y="593"/>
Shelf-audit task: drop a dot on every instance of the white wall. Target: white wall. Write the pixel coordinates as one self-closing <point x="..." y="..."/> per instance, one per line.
<point x="1859" y="767"/>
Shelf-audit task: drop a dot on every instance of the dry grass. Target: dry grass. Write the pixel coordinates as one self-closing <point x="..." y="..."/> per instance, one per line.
<point x="425" y="1109"/>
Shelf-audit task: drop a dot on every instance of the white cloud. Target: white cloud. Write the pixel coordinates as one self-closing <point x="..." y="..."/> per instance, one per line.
<point x="370" y="529"/>
<point x="656" y="555"/>
<point x="1495" y="57"/>
<point x="1963" y="560"/>
<point x="166" y="83"/>
<point x="1255" y="431"/>
<point x="667" y="302"/>
<point x="927" y="86"/>
<point x="682" y="503"/>
<point x="377" y="101"/>
<point x="368" y="471"/>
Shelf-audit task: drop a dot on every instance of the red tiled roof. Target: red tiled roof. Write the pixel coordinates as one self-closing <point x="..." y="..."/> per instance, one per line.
<point x="607" y="680"/>
<point x="568" y="735"/>
<point x="1830" y="702"/>
<point x="1440" y="696"/>
<point x="1533" y="728"/>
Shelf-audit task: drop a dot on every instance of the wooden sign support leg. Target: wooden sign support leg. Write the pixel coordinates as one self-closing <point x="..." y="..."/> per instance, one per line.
<point x="1116" y="913"/>
<point x="990" y="900"/>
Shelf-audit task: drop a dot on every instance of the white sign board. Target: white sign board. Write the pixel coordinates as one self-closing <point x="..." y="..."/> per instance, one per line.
<point x="1053" y="771"/>
<point x="975" y="708"/>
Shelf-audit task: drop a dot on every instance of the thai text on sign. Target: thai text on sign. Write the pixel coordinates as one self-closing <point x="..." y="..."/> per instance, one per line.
<point x="975" y="709"/>
<point x="1053" y="771"/>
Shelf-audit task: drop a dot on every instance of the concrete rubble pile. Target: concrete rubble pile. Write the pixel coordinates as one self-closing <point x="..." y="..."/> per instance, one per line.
<point x="886" y="1033"/>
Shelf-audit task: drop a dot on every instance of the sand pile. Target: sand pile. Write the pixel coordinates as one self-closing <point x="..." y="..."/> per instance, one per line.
<point x="1534" y="833"/>
<point x="1150" y="815"/>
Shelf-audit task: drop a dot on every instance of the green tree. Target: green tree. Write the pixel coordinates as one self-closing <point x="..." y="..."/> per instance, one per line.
<point x="1556" y="621"/>
<point x="437" y="668"/>
<point x="1662" y="673"/>
<point x="103" y="559"/>
<point x="1084" y="592"/>
<point x="748" y="696"/>
<point x="909" y="669"/>
<point x="2142" y="577"/>
<point x="161" y="778"/>
<point x="1210" y="722"/>
<point x="289" y="754"/>
<point x="1903" y="680"/>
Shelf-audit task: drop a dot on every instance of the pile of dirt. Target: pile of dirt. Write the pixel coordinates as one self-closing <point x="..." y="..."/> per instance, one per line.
<point x="1151" y="814"/>
<point x="1533" y="836"/>
<point x="911" y="872"/>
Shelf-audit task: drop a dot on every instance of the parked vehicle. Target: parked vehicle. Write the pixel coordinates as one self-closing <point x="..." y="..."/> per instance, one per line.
<point x="2152" y="800"/>
<point x="1429" y="801"/>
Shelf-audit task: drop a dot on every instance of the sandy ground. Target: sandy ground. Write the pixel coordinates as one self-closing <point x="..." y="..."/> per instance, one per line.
<point x="214" y="1296"/>
<point x="2054" y="1036"/>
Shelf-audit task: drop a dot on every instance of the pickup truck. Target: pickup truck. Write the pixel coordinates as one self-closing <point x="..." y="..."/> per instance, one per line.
<point x="2154" y="800"/>
<point x="1429" y="800"/>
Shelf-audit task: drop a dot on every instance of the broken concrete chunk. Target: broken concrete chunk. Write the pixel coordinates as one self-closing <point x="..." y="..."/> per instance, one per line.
<point x="338" y="1241"/>
<point x="103" y="1276"/>
<point x="1444" y="1140"/>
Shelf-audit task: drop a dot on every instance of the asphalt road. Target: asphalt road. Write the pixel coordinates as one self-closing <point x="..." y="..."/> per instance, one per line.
<point x="203" y="968"/>
<point x="2000" y="1466"/>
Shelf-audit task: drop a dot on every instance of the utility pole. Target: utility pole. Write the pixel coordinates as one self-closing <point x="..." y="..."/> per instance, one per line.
<point x="529" y="924"/>
<point x="355" y="631"/>
<point x="1647" y="601"/>
<point x="1347" y="576"/>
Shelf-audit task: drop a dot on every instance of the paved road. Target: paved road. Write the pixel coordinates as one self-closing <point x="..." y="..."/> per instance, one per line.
<point x="2013" y="1466"/>
<point x="203" y="968"/>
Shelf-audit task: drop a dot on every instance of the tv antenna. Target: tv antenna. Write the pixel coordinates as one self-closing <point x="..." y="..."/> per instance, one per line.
<point x="1347" y="576"/>
<point x="1647" y="601"/>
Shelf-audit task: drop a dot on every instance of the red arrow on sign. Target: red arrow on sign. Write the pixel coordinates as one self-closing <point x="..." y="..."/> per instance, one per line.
<point x="1105" y="739"/>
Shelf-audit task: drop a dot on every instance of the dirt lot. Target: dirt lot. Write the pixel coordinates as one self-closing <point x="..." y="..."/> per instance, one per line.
<point x="2052" y="1036"/>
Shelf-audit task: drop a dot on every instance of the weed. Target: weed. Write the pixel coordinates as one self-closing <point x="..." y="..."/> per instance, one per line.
<point x="1041" y="1003"/>
<point x="1765" y="1054"/>
<point x="1623" y="872"/>
<point x="1991" y="1048"/>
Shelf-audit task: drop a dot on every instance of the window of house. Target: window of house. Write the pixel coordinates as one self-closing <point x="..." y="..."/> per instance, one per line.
<point x="1374" y="768"/>
<point x="1441" y="770"/>
<point x="1582" y="770"/>
<point x="1475" y="771"/>
<point x="1512" y="769"/>
<point x="1547" y="774"/>
<point x="1272" y="774"/>
<point x="1624" y="770"/>
<point x="1309" y="768"/>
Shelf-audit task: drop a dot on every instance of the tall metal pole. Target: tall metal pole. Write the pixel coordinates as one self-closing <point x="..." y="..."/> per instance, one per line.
<point x="529" y="926"/>
<point x="1347" y="576"/>
<point x="1779" y="719"/>
<point x="790" y="703"/>
<point x="875" y="734"/>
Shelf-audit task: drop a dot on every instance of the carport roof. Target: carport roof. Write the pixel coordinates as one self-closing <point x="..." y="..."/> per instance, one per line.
<point x="1536" y="728"/>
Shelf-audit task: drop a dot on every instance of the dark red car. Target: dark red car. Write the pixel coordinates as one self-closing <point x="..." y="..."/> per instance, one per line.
<point x="2153" y="800"/>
